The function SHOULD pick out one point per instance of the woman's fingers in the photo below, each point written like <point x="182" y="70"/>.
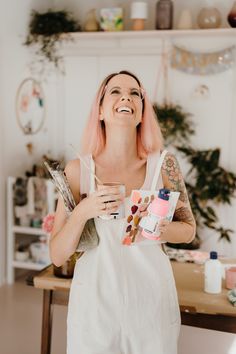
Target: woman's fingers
<point x="110" y="207"/>
<point x="108" y="191"/>
<point x="143" y="210"/>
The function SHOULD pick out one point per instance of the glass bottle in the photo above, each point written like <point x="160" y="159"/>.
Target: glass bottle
<point x="164" y="14"/>
<point x="232" y="15"/>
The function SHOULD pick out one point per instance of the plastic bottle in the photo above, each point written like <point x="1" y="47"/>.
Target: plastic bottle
<point x="213" y="274"/>
<point x="157" y="210"/>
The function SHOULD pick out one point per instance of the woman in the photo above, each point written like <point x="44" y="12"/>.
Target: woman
<point x="123" y="299"/>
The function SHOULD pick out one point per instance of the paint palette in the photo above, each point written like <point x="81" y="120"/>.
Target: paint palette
<point x="138" y="200"/>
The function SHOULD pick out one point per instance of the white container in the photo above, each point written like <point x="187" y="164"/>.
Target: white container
<point x="213" y="275"/>
<point x="185" y="20"/>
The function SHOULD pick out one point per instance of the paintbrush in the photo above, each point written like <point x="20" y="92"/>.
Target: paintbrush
<point x="86" y="165"/>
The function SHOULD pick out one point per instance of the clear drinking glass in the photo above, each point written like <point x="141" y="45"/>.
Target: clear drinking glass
<point x="120" y="212"/>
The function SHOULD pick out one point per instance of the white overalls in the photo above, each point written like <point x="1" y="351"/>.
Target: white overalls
<point x="123" y="298"/>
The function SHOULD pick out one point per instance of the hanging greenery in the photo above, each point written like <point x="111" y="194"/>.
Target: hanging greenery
<point x="175" y="123"/>
<point x="46" y="29"/>
<point x="208" y="183"/>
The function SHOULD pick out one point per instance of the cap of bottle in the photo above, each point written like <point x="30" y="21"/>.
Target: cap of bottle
<point x="213" y="255"/>
<point x="164" y="194"/>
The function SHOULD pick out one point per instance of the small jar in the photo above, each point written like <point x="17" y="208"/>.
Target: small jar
<point x="67" y="269"/>
<point x="164" y="14"/>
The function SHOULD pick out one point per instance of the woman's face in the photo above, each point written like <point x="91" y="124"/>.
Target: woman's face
<point x="122" y="103"/>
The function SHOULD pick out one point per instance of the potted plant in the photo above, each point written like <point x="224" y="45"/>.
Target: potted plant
<point x="46" y="30"/>
<point x="205" y="190"/>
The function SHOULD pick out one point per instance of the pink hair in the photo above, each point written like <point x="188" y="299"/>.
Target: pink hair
<point x="149" y="136"/>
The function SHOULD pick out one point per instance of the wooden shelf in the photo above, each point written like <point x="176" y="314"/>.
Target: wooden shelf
<point x="145" y="42"/>
<point x="29" y="265"/>
<point x="28" y="230"/>
<point x="15" y="232"/>
<point x="154" y="33"/>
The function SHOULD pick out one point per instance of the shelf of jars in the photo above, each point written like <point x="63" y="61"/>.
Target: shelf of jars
<point x="29" y="264"/>
<point x="146" y="41"/>
<point x="222" y="32"/>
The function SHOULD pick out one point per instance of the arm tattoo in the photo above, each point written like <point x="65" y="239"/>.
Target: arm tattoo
<point x="183" y="214"/>
<point x="172" y="170"/>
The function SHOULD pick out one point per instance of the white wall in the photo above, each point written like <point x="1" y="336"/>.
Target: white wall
<point x="68" y="101"/>
<point x="14" y="159"/>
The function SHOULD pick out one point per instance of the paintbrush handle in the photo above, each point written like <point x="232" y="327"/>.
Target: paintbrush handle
<point x="86" y="165"/>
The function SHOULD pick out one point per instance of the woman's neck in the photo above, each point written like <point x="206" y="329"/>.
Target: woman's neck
<point x="120" y="148"/>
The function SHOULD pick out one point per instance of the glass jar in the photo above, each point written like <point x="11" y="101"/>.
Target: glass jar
<point x="164" y="14"/>
<point x="67" y="269"/>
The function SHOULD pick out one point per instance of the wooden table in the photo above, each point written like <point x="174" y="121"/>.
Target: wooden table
<point x="198" y="309"/>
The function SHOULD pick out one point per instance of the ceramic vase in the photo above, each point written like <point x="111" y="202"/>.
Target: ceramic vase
<point x="164" y="14"/>
<point x="209" y="17"/>
<point x="185" y="20"/>
<point x="232" y="15"/>
<point x="91" y="23"/>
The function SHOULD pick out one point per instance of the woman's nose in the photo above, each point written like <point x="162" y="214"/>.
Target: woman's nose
<point x="125" y="97"/>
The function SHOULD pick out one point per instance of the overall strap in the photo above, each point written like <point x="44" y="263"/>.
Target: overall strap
<point x="158" y="170"/>
<point x="91" y="176"/>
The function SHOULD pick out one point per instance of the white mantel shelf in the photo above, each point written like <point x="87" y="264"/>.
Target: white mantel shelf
<point x="155" y="33"/>
<point x="150" y="41"/>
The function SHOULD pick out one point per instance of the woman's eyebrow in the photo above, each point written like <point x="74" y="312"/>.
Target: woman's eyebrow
<point x="114" y="87"/>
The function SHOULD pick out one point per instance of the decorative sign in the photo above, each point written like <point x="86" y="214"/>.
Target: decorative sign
<point x="30" y="106"/>
<point x="202" y="63"/>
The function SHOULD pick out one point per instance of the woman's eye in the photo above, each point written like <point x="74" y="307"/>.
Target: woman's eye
<point x="115" y="92"/>
<point x="135" y="93"/>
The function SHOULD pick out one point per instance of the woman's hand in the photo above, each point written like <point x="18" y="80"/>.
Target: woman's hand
<point x="143" y="210"/>
<point x="163" y="228"/>
<point x="163" y="224"/>
<point x="102" y="202"/>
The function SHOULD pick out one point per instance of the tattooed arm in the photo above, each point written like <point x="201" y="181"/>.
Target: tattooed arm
<point x="183" y="227"/>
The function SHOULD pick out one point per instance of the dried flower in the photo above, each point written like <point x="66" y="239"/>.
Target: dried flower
<point x="48" y="222"/>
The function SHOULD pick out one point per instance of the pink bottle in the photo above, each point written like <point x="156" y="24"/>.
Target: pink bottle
<point x="157" y="210"/>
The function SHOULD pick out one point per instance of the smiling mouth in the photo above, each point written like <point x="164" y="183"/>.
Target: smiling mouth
<point x="125" y="109"/>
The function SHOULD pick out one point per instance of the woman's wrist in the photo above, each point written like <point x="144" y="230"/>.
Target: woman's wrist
<point x="80" y="213"/>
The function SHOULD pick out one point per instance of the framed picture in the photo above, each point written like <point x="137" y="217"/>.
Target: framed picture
<point x="30" y="106"/>
<point x="111" y="19"/>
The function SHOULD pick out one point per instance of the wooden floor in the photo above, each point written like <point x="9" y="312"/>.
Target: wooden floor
<point x="20" y="327"/>
<point x="20" y="321"/>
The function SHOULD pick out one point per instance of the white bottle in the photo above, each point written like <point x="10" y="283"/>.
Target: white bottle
<point x="213" y="274"/>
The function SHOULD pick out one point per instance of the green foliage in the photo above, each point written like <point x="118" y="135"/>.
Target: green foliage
<point x="175" y="123"/>
<point x="46" y="29"/>
<point x="208" y="183"/>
